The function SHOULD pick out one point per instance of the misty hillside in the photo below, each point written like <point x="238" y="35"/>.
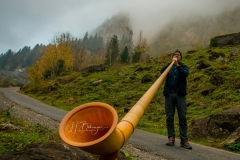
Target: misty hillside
<point x="184" y="34"/>
<point x="118" y="24"/>
<point x="195" y="32"/>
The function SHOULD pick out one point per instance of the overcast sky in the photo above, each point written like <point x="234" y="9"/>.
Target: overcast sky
<point x="31" y="22"/>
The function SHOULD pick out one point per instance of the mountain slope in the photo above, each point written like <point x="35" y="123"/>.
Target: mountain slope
<point x="118" y="24"/>
<point x="195" y="32"/>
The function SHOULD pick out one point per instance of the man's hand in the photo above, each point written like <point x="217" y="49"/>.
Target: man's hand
<point x="175" y="59"/>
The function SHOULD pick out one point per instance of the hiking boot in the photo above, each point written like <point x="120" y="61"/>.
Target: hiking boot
<point x="171" y="141"/>
<point x="186" y="145"/>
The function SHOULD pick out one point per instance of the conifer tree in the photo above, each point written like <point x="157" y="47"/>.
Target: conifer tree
<point x="85" y="40"/>
<point x="125" y="55"/>
<point x="112" y="51"/>
<point x="5" y="59"/>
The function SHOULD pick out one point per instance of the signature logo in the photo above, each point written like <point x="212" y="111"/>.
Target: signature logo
<point x="83" y="126"/>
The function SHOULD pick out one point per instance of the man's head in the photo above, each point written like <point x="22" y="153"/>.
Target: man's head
<point x="178" y="55"/>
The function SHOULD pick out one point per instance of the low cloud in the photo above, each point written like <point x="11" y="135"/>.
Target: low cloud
<point x="27" y="22"/>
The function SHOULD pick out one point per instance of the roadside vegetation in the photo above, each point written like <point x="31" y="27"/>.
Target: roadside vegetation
<point x="17" y="133"/>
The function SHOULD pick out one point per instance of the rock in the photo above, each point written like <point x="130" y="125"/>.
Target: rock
<point x="140" y="68"/>
<point x="225" y="40"/>
<point x="199" y="128"/>
<point x="95" y="68"/>
<point x="202" y="65"/>
<point x="220" y="59"/>
<point x="7" y="126"/>
<point x="95" y="83"/>
<point x="234" y="54"/>
<point x="53" y="151"/>
<point x="234" y="137"/>
<point x="48" y="151"/>
<point x="147" y="78"/>
<point x="219" y="125"/>
<point x="216" y="79"/>
<point x="234" y="51"/>
<point x="214" y="56"/>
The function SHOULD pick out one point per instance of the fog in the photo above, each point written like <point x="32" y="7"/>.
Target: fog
<point x="31" y="22"/>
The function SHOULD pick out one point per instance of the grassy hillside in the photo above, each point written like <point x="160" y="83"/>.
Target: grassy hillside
<point x="121" y="87"/>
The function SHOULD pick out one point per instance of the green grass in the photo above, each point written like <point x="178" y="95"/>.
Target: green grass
<point x="122" y="88"/>
<point x="17" y="133"/>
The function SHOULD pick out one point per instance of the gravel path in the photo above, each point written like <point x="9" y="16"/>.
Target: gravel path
<point x="35" y="118"/>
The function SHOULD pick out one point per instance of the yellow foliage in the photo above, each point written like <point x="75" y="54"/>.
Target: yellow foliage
<point x="35" y="74"/>
<point x="54" y="53"/>
<point x="49" y="61"/>
<point x="64" y="52"/>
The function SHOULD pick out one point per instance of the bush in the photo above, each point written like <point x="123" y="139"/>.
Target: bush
<point x="213" y="42"/>
<point x="233" y="146"/>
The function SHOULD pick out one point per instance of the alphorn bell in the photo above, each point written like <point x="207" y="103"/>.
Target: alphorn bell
<point x="93" y="126"/>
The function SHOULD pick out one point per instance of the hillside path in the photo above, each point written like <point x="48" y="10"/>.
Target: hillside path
<point x="145" y="141"/>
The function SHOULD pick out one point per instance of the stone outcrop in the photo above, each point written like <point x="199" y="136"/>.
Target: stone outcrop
<point x="225" y="40"/>
<point x="48" y="151"/>
<point x="234" y="137"/>
<point x="52" y="151"/>
<point x="220" y="125"/>
<point x="95" y="68"/>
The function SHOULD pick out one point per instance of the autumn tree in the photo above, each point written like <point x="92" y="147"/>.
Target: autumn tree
<point x="35" y="75"/>
<point x="112" y="53"/>
<point x="57" y="58"/>
<point x="50" y="60"/>
<point x="79" y="54"/>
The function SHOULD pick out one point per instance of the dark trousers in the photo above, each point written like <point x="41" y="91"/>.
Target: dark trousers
<point x="173" y="101"/>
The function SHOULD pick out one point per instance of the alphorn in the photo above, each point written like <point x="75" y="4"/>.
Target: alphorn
<point x="94" y="128"/>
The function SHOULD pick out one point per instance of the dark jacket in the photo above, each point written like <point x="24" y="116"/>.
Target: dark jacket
<point x="182" y="79"/>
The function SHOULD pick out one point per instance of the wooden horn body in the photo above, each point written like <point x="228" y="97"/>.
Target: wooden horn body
<point x="94" y="127"/>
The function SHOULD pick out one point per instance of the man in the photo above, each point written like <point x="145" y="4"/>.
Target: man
<point x="175" y="97"/>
